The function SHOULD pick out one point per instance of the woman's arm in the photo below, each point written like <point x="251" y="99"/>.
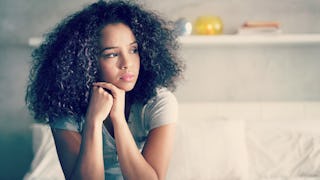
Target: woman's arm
<point x="154" y="160"/>
<point x="81" y="156"/>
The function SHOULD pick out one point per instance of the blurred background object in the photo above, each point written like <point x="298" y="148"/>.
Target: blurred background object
<point x="208" y="25"/>
<point x="259" y="27"/>
<point x="183" y="27"/>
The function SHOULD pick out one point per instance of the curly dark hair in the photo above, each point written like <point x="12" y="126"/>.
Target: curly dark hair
<point x="66" y="64"/>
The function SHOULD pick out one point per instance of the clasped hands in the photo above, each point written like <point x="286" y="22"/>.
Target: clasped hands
<point x="102" y="103"/>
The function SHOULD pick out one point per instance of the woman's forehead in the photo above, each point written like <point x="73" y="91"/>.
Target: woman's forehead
<point x="116" y="35"/>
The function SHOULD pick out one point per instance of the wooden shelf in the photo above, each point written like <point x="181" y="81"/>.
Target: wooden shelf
<point x="193" y="40"/>
<point x="196" y="40"/>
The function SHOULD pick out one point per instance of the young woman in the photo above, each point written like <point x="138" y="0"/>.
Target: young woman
<point x="102" y="79"/>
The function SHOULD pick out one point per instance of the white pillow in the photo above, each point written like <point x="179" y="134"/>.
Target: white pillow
<point x="45" y="164"/>
<point x="283" y="149"/>
<point x="208" y="147"/>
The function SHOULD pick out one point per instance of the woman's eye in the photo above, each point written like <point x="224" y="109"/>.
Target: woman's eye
<point x="109" y="55"/>
<point x="134" y="50"/>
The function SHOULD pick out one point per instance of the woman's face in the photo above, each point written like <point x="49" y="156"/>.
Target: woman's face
<point x="119" y="58"/>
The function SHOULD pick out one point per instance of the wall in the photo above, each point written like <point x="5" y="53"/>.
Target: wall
<point x="251" y="73"/>
<point x="227" y="74"/>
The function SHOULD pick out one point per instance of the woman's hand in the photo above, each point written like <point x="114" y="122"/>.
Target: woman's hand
<point x="100" y="104"/>
<point x="118" y="107"/>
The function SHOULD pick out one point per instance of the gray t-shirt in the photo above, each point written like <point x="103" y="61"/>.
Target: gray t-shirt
<point x="160" y="110"/>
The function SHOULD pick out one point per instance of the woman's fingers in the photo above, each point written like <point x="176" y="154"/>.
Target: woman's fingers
<point x="118" y="95"/>
<point x="107" y="86"/>
<point x="100" y="104"/>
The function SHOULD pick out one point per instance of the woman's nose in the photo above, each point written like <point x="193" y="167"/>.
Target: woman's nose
<point x="125" y="61"/>
<point x="124" y="67"/>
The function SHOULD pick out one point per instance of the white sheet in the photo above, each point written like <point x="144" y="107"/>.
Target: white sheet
<point x="208" y="147"/>
<point x="214" y="142"/>
<point x="283" y="149"/>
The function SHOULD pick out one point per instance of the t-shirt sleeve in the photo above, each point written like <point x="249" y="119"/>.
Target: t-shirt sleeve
<point x="67" y="123"/>
<point x="161" y="110"/>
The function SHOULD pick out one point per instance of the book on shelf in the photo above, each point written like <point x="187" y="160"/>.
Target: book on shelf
<point x="259" y="27"/>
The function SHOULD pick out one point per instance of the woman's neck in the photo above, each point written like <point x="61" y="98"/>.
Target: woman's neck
<point x="128" y="103"/>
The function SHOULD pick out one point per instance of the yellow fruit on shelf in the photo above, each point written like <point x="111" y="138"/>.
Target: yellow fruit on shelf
<point x="208" y="25"/>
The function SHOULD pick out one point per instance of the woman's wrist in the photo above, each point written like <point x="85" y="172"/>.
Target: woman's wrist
<point x="118" y="119"/>
<point x="93" y="122"/>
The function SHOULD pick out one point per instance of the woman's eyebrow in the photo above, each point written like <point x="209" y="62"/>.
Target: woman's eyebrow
<point x="114" y="47"/>
<point x="107" y="48"/>
<point x="134" y="42"/>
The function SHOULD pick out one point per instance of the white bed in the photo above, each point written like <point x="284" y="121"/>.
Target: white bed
<point x="227" y="141"/>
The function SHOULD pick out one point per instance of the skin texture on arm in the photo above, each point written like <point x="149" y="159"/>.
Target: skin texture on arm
<point x="153" y="162"/>
<point x="158" y="148"/>
<point x="81" y="157"/>
<point x="68" y="147"/>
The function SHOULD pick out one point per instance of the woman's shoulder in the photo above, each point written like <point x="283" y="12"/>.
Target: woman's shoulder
<point x="162" y="95"/>
<point x="72" y="123"/>
<point x="161" y="109"/>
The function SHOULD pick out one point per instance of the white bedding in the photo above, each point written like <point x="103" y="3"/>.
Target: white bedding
<point x="45" y="164"/>
<point x="287" y="149"/>
<point x="289" y="178"/>
<point x="226" y="141"/>
<point x="214" y="149"/>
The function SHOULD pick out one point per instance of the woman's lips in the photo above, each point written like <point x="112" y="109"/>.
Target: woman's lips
<point x="127" y="77"/>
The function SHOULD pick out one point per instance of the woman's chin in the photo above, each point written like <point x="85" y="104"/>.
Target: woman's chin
<point x="126" y="88"/>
